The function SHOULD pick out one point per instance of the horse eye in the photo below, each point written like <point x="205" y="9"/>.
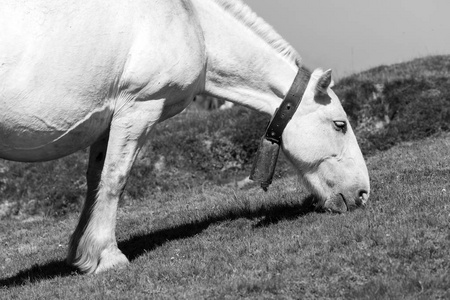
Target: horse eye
<point x="340" y="126"/>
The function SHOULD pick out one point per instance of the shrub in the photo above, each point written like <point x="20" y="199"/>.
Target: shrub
<point x="395" y="105"/>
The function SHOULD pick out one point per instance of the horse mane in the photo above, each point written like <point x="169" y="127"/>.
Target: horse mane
<point x="243" y="12"/>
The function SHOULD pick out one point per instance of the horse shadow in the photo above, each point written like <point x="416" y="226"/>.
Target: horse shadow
<point x="140" y="244"/>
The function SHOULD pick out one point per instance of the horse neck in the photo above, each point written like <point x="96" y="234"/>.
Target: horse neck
<point x="242" y="67"/>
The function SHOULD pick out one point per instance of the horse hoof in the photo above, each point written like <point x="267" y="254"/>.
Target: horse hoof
<point x="111" y="258"/>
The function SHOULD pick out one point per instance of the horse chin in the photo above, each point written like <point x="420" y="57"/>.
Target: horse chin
<point x="327" y="200"/>
<point x="336" y="204"/>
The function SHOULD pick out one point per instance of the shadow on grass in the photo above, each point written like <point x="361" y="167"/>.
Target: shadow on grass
<point x="138" y="245"/>
<point x="39" y="272"/>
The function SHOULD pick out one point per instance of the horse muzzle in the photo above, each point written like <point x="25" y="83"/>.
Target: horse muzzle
<point x="341" y="204"/>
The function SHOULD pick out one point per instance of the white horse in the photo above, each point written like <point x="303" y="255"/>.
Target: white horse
<point x="75" y="74"/>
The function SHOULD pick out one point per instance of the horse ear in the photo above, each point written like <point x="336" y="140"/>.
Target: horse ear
<point x="323" y="83"/>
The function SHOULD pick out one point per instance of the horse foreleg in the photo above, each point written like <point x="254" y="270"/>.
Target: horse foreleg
<point x="93" y="246"/>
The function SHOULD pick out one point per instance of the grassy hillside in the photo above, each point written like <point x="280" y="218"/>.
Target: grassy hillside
<point x="401" y="102"/>
<point x="191" y="234"/>
<point x="214" y="242"/>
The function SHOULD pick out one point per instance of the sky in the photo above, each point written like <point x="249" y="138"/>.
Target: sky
<point x="349" y="36"/>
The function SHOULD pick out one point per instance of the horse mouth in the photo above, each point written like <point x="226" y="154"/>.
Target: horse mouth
<point x="337" y="204"/>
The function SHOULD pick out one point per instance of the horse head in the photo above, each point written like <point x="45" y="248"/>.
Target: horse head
<point x="320" y="143"/>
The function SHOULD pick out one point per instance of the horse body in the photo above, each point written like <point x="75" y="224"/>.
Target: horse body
<point x="66" y="71"/>
<point x="74" y="75"/>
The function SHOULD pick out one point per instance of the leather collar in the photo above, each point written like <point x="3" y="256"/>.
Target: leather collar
<point x="287" y="108"/>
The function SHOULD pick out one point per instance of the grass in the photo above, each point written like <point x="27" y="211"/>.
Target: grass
<point x="217" y="242"/>
<point x="191" y="235"/>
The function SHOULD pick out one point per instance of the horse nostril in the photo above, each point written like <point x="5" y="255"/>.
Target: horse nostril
<point x="361" y="200"/>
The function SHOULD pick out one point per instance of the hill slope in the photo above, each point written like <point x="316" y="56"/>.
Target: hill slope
<point x="214" y="242"/>
<point x="401" y="102"/>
